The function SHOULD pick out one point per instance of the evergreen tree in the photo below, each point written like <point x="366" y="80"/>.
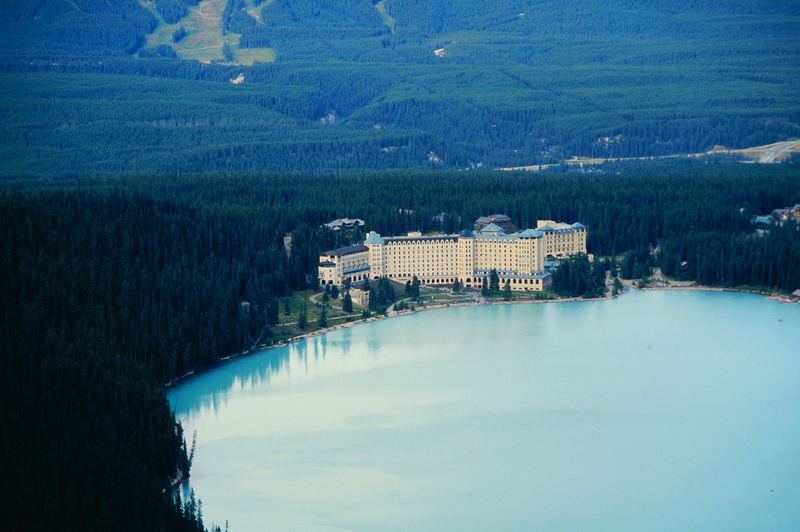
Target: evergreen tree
<point x="494" y="281"/>
<point x="347" y="302"/>
<point x="507" y="290"/>
<point x="302" y="319"/>
<point x="373" y="299"/>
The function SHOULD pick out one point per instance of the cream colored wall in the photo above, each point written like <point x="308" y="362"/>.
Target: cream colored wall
<point x="563" y="243"/>
<point x="523" y="255"/>
<point x="440" y="260"/>
<point x="430" y="259"/>
<point x="343" y="266"/>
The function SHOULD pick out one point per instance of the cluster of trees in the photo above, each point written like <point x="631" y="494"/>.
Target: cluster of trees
<point x="106" y="297"/>
<point x="160" y="50"/>
<point x="179" y="34"/>
<point x="576" y="276"/>
<point x="412" y="288"/>
<point x="723" y="259"/>
<point x="381" y="294"/>
<point x="55" y="28"/>
<point x="172" y="11"/>
<point x="637" y="263"/>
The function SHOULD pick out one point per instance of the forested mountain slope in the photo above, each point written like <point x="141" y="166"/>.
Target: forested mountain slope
<point x="100" y="86"/>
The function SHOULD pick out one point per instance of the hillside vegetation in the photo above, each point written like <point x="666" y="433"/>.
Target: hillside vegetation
<point x="357" y="85"/>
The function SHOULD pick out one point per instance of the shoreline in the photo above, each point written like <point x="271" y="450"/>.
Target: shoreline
<point x="769" y="294"/>
<point x="774" y="296"/>
<point x="349" y="324"/>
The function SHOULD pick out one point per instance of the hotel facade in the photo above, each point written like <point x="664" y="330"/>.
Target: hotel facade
<point x="468" y="257"/>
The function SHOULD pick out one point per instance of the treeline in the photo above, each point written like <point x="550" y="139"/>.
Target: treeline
<point x="576" y="276"/>
<point x="771" y="260"/>
<point x="106" y="297"/>
<point x="59" y="28"/>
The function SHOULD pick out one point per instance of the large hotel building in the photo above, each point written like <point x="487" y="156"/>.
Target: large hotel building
<point x="467" y="257"/>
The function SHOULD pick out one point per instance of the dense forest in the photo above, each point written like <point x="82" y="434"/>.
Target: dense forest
<point x="147" y="199"/>
<point x="112" y="287"/>
<point x="92" y="86"/>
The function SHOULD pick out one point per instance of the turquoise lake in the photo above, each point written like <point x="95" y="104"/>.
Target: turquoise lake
<point x="655" y="411"/>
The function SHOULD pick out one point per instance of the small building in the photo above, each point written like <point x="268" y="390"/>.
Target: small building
<point x="345" y="224"/>
<point x="762" y="221"/>
<point x="787" y="214"/>
<point x="360" y="297"/>
<point x="337" y="265"/>
<point x="500" y="220"/>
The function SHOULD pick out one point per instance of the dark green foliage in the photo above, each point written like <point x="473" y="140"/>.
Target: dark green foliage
<point x="323" y="319"/>
<point x="302" y="321"/>
<point x="179" y="34"/>
<point x="334" y="292"/>
<point x="507" y="291"/>
<point x="171" y="10"/>
<point x="576" y="277"/>
<point x="107" y="297"/>
<point x="412" y="288"/>
<point x="160" y="51"/>
<point x="381" y="295"/>
<point x="494" y="282"/>
<point x="618" y="79"/>
<point x="347" y="302"/>
<point x="716" y="258"/>
<point x="58" y="28"/>
<point x="636" y="264"/>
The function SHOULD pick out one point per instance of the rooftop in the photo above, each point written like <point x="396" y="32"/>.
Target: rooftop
<point x="345" y="223"/>
<point x="530" y="233"/>
<point x="374" y="238"/>
<point x="492" y="228"/>
<point x="340" y="252"/>
<point x="498" y="218"/>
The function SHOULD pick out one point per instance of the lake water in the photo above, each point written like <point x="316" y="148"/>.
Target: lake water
<point x="656" y="411"/>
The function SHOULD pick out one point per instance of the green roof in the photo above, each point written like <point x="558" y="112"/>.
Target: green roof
<point x="373" y="238"/>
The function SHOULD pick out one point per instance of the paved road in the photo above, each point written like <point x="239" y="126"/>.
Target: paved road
<point x="769" y="154"/>
<point x="776" y="151"/>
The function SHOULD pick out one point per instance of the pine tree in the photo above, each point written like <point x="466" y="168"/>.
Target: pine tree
<point x="494" y="281"/>
<point x="347" y="302"/>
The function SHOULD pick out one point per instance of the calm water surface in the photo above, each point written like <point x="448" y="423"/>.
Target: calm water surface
<point x="657" y="411"/>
